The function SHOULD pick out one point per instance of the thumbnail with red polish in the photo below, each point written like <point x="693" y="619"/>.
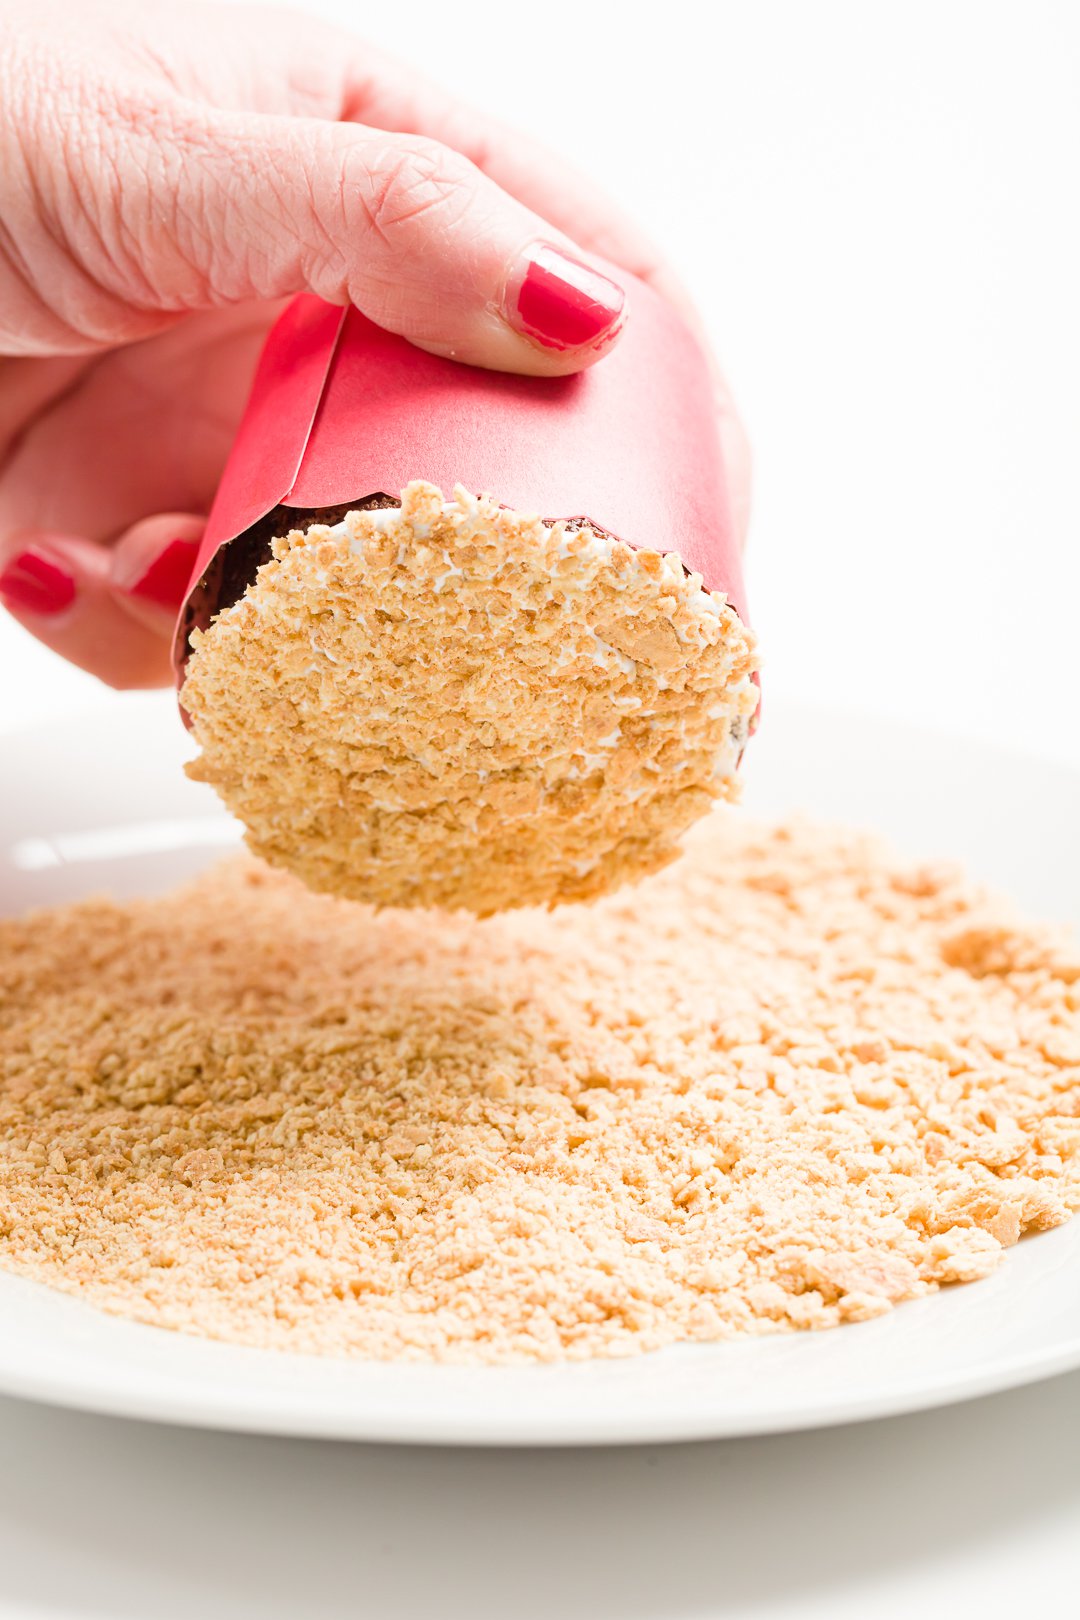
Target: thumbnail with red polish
<point x="33" y="583"/>
<point x="565" y="304"/>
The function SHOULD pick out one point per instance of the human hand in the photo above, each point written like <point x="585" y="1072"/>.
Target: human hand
<point x="168" y="174"/>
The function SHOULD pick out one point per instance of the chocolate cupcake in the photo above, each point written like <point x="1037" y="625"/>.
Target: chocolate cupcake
<point x="428" y="698"/>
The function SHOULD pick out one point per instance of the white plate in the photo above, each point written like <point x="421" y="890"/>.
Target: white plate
<point x="101" y="804"/>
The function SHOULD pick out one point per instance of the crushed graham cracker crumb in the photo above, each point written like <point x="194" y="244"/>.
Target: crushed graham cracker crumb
<point x="785" y="1084"/>
<point x="447" y="703"/>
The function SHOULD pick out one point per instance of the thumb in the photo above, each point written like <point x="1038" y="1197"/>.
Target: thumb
<point x="402" y="226"/>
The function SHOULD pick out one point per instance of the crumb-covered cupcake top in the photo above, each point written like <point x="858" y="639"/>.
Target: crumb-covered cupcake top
<point x="451" y="704"/>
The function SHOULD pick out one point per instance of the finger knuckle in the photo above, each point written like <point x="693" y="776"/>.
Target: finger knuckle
<point x="409" y="182"/>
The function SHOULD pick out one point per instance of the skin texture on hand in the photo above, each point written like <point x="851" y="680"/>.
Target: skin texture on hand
<point x="169" y="174"/>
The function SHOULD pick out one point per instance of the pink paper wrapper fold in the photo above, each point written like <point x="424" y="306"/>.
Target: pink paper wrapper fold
<point x="341" y="410"/>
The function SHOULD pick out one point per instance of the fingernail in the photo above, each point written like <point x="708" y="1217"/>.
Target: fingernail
<point x="32" y="583"/>
<point x="166" y="580"/>
<point x="563" y="303"/>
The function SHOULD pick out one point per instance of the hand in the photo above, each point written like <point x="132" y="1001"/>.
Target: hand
<point x="168" y="175"/>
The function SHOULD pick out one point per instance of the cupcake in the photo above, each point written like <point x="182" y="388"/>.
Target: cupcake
<point x="446" y="697"/>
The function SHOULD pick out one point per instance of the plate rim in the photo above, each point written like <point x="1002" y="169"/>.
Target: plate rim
<point x="226" y="1410"/>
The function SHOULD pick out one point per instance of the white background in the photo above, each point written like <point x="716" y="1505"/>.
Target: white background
<point x="876" y="207"/>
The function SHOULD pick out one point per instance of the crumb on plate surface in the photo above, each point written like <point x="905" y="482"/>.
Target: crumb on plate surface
<point x="786" y="1083"/>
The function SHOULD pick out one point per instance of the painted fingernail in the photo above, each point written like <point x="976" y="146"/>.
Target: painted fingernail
<point x="166" y="580"/>
<point x="33" y="583"/>
<point x="564" y="304"/>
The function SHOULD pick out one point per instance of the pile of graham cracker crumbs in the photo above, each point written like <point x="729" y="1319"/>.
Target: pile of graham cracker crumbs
<point x="784" y="1084"/>
<point x="449" y="704"/>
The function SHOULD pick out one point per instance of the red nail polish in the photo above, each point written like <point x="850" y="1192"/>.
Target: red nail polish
<point x="166" y="580"/>
<point x="33" y="583"/>
<point x="565" y="304"/>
